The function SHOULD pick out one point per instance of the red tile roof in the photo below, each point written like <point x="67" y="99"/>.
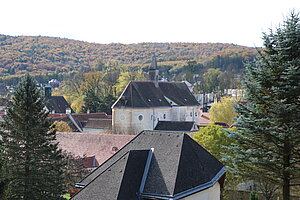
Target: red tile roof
<point x="89" y="161"/>
<point x="204" y="119"/>
<point x="103" y="146"/>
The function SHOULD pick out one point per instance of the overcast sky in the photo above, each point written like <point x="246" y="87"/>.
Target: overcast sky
<point x="132" y="21"/>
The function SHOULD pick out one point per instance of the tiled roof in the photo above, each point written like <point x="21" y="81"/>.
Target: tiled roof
<point x="85" y="120"/>
<point x="99" y="123"/>
<point x="103" y="146"/>
<point x="119" y="181"/>
<point x="58" y="104"/>
<point x="204" y="119"/>
<point x="178" y="167"/>
<point x="145" y="94"/>
<point x="175" y="126"/>
<point x="89" y="161"/>
<point x="86" y="116"/>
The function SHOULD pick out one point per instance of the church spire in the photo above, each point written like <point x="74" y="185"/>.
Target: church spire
<point x="154" y="63"/>
<point x="153" y="71"/>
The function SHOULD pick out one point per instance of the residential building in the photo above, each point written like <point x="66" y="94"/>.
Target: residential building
<point x="156" y="165"/>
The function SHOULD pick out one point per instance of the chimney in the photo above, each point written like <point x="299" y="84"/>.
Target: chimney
<point x="48" y="91"/>
<point x="68" y="110"/>
<point x="153" y="71"/>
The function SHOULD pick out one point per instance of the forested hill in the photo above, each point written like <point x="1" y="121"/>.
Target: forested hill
<point x="38" y="54"/>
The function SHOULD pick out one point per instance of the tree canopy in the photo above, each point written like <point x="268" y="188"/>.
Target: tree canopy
<point x="34" y="162"/>
<point x="268" y="138"/>
<point x="223" y="111"/>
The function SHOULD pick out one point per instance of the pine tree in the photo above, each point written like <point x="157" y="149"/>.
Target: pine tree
<point x="34" y="162"/>
<point x="268" y="139"/>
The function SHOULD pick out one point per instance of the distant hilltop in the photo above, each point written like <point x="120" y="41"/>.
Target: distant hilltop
<point x="39" y="55"/>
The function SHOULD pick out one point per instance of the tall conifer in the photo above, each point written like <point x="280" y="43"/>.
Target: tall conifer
<point x="268" y="140"/>
<point x="34" y="162"/>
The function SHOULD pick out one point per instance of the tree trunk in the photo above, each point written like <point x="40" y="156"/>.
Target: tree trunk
<point x="286" y="174"/>
<point x="286" y="189"/>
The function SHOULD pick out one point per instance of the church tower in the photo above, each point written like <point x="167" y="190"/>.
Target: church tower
<point x="153" y="71"/>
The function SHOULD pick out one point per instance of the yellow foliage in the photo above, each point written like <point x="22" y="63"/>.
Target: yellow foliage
<point x="78" y="104"/>
<point x="62" y="126"/>
<point x="223" y="111"/>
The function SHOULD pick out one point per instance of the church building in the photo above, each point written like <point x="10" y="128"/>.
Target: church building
<point x="143" y="104"/>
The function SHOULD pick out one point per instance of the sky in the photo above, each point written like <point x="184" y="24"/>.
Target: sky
<point x="133" y="21"/>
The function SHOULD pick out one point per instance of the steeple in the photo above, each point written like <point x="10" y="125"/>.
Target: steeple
<point x="153" y="71"/>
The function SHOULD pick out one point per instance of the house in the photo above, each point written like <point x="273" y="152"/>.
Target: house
<point x="156" y="165"/>
<point x="144" y="103"/>
<point x="86" y="122"/>
<point x="56" y="104"/>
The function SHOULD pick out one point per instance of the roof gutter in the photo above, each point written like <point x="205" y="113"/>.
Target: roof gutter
<point x="187" y="192"/>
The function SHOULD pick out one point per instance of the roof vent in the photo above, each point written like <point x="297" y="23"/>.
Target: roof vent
<point x="115" y="149"/>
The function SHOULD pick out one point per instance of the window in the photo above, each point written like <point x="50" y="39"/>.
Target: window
<point x="164" y="116"/>
<point x="140" y="117"/>
<point x="196" y="114"/>
<point x="191" y="114"/>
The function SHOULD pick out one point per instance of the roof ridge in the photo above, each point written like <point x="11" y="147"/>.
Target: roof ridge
<point x="178" y="162"/>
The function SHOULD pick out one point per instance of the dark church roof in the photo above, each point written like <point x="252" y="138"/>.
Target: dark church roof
<point x="57" y="104"/>
<point x="144" y="94"/>
<point x="163" y="165"/>
<point x="175" y="126"/>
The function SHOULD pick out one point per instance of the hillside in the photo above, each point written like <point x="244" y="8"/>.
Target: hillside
<point x="38" y="54"/>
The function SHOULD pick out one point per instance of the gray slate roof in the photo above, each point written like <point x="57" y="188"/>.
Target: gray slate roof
<point x="175" y="126"/>
<point x="179" y="166"/>
<point x="58" y="104"/>
<point x="144" y="94"/>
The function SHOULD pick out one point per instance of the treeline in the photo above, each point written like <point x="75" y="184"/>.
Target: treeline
<point x="49" y="56"/>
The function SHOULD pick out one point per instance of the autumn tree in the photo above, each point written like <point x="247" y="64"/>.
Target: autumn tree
<point x="125" y="77"/>
<point x="34" y="164"/>
<point x="223" y="111"/>
<point x="62" y="126"/>
<point x="214" y="139"/>
<point x="211" y="80"/>
<point x="268" y="138"/>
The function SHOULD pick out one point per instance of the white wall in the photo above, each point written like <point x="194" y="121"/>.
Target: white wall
<point x="212" y="193"/>
<point x="133" y="121"/>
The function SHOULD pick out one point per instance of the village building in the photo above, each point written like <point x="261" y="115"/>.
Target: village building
<point x="156" y="165"/>
<point x="98" y="147"/>
<point x="86" y="122"/>
<point x="145" y="103"/>
<point x="55" y="104"/>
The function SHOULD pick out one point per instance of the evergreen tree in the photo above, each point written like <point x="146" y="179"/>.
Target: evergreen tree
<point x="34" y="162"/>
<point x="268" y="139"/>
